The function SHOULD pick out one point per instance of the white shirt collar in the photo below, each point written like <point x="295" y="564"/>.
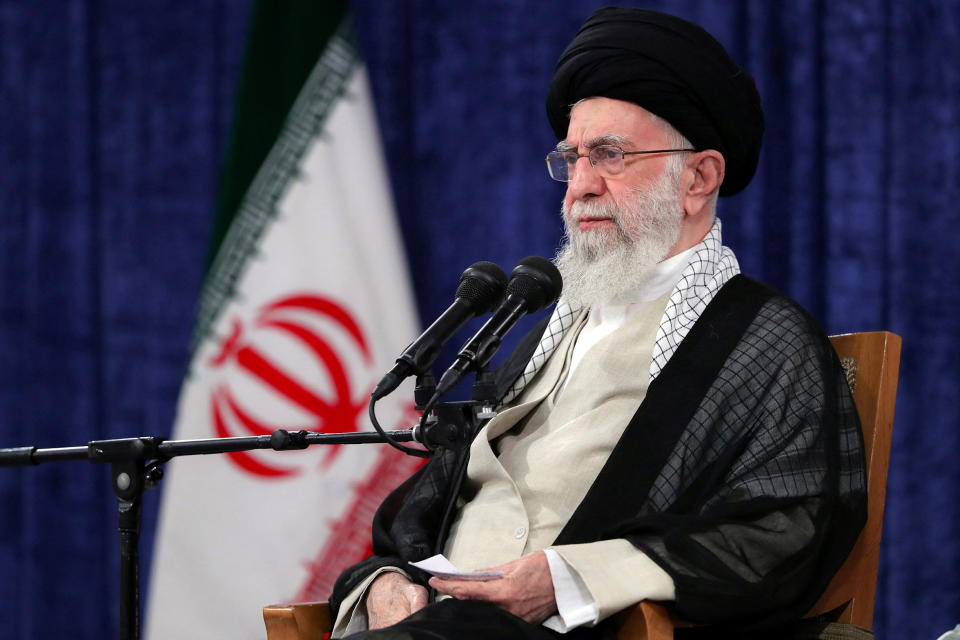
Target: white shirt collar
<point x="662" y="278"/>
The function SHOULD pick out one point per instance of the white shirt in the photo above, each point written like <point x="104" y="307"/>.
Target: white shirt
<point x="575" y="605"/>
<point x="607" y="318"/>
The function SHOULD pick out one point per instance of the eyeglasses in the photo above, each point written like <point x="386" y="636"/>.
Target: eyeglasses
<point x="606" y="159"/>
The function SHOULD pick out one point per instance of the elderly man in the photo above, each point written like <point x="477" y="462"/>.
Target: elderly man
<point x="680" y="433"/>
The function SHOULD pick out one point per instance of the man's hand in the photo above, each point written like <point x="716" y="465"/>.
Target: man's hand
<point x="391" y="598"/>
<point x="525" y="590"/>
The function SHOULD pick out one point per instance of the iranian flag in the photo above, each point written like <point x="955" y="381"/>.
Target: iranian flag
<point x="305" y="305"/>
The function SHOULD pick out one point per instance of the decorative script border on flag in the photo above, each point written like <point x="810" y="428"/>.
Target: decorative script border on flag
<point x="326" y="84"/>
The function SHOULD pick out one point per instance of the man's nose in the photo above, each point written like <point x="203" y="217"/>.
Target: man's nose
<point x="586" y="181"/>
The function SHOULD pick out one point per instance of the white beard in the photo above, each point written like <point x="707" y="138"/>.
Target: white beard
<point x="601" y="265"/>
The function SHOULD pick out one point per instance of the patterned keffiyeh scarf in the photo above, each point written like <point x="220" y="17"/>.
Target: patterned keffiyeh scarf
<point x="710" y="267"/>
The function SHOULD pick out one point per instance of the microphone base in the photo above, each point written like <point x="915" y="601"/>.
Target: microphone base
<point x="451" y="425"/>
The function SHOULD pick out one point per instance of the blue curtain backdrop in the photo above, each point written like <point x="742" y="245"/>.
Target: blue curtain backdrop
<point x="113" y="118"/>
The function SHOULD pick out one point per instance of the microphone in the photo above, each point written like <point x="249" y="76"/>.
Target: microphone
<point x="534" y="284"/>
<point x="480" y="290"/>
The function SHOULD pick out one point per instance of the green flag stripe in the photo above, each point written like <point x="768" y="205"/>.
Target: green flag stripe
<point x="284" y="41"/>
<point x="258" y="208"/>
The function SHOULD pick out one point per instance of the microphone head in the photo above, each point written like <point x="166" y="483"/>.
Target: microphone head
<point x="537" y="281"/>
<point x="482" y="285"/>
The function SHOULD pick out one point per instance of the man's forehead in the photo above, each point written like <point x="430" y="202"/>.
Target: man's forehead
<point x="598" y="121"/>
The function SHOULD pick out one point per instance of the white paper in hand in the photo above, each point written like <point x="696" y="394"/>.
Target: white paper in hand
<point x="439" y="566"/>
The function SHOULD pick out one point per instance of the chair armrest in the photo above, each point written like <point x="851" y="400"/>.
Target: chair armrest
<point x="647" y="620"/>
<point x="297" y="621"/>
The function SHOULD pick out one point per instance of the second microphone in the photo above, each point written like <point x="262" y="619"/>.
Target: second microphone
<point x="535" y="283"/>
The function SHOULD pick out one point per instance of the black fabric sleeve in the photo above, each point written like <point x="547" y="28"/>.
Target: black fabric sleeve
<point x="765" y="493"/>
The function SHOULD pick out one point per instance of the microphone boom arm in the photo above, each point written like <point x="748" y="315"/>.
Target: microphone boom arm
<point x="136" y="465"/>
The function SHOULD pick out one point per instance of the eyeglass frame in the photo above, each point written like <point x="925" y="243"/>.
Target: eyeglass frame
<point x="623" y="154"/>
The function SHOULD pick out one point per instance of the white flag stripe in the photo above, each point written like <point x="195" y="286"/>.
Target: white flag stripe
<point x="330" y="262"/>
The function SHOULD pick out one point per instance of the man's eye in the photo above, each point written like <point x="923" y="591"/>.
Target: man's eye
<point x="607" y="155"/>
<point x="570" y="158"/>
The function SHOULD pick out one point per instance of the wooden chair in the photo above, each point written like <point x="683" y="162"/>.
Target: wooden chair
<point x="871" y="362"/>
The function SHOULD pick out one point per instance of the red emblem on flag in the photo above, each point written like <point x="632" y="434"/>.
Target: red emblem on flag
<point x="306" y="331"/>
<point x="305" y="355"/>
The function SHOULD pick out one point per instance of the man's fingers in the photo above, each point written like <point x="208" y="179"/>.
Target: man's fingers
<point x="466" y="589"/>
<point x="526" y="590"/>
<point x="391" y="599"/>
<point x="416" y="596"/>
<point x="386" y="616"/>
<point x="379" y="618"/>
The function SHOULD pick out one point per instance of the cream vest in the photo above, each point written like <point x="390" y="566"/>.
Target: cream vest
<point x="533" y="463"/>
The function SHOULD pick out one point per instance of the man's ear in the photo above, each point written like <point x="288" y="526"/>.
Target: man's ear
<point x="701" y="187"/>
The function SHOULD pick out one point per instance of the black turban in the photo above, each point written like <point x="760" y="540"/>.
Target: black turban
<point x="672" y="68"/>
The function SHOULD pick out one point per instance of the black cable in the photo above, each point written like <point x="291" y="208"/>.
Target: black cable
<point x="410" y="451"/>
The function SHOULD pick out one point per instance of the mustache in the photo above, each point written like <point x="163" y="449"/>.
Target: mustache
<point x="591" y="211"/>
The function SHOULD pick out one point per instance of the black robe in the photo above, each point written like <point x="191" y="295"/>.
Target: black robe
<point x="741" y="474"/>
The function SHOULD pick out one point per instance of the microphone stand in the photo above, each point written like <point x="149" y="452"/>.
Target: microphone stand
<point x="137" y="464"/>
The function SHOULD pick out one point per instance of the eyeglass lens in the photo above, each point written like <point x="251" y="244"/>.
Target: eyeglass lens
<point x="607" y="159"/>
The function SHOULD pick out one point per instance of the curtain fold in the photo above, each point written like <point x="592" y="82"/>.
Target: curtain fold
<point x="113" y="125"/>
